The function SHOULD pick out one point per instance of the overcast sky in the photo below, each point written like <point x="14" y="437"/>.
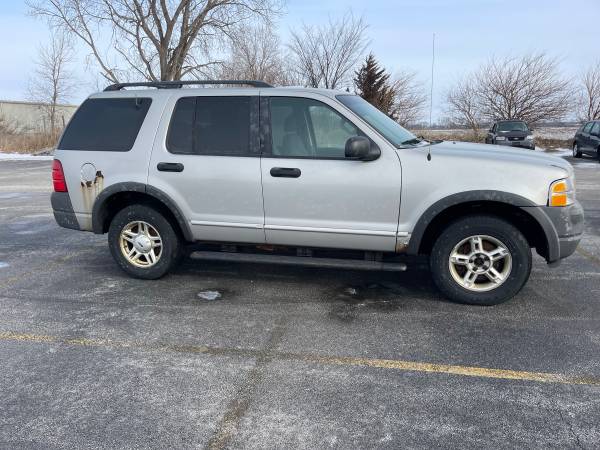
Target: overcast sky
<point x="467" y="33"/>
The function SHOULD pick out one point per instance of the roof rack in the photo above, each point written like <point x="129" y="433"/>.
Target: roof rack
<point x="180" y="84"/>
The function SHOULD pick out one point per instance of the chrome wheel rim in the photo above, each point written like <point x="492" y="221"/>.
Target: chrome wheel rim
<point x="480" y="263"/>
<point x="140" y="244"/>
<point x="575" y="148"/>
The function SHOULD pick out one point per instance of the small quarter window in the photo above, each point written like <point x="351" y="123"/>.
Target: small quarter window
<point x="106" y="124"/>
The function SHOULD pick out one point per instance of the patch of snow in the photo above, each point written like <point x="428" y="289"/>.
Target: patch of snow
<point x="24" y="157"/>
<point x="209" y="295"/>
<point x="3" y="265"/>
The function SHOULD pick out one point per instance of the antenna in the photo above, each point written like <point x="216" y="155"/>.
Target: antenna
<point x="431" y="91"/>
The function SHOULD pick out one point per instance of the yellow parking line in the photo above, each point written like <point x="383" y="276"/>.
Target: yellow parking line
<point x="390" y="364"/>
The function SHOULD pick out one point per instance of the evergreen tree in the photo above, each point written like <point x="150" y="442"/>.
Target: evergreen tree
<point x="372" y="84"/>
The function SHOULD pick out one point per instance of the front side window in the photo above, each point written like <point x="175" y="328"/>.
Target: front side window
<point x="210" y="126"/>
<point x="106" y="124"/>
<point x="588" y="127"/>
<point x="306" y="128"/>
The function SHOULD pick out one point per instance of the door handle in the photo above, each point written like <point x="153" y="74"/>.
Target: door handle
<point x="169" y="167"/>
<point x="285" y="172"/>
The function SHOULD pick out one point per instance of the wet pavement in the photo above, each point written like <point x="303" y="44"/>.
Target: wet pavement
<point x="231" y="355"/>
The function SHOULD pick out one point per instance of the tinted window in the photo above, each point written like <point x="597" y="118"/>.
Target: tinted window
<point x="596" y="129"/>
<point x="307" y="128"/>
<point x="210" y="126"/>
<point x="512" y="126"/>
<point x="588" y="127"/>
<point x="105" y="124"/>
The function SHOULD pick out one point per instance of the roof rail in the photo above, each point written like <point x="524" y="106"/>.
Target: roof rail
<point x="180" y="84"/>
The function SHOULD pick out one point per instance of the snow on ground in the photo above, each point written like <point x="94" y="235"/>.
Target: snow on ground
<point x="23" y="156"/>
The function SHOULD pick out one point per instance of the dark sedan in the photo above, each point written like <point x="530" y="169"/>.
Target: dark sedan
<point x="587" y="140"/>
<point x="515" y="133"/>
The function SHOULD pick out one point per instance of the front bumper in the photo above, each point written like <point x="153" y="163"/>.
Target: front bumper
<point x="522" y="144"/>
<point x="568" y="222"/>
<point x="563" y="227"/>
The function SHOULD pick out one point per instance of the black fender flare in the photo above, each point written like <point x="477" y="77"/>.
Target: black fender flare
<point x="529" y="207"/>
<point x="98" y="215"/>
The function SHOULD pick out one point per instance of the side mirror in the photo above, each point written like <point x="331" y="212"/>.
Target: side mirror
<point x="360" y="148"/>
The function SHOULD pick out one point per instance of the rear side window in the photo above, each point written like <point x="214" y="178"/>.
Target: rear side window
<point x="106" y="124"/>
<point x="211" y="126"/>
<point x="595" y="128"/>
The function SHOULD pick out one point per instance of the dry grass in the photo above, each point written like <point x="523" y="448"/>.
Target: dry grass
<point x="27" y="142"/>
<point x="549" y="143"/>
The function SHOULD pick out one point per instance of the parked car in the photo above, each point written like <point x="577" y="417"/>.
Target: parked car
<point x="305" y="176"/>
<point x="587" y="140"/>
<point x="515" y="133"/>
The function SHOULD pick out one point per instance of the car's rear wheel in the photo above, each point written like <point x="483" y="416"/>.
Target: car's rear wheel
<point x="576" y="151"/>
<point x="143" y="242"/>
<point x="480" y="260"/>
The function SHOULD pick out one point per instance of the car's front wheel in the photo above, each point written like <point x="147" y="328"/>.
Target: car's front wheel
<point x="576" y="151"/>
<point x="143" y="242"/>
<point x="480" y="260"/>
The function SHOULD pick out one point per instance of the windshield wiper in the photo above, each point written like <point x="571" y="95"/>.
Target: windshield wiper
<point x="412" y="141"/>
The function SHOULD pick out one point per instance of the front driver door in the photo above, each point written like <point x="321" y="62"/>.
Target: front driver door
<point x="313" y="195"/>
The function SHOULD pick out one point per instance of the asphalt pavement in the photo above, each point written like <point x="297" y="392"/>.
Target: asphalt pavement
<point x="230" y="355"/>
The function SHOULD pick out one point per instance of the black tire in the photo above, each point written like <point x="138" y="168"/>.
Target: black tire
<point x="496" y="228"/>
<point x="576" y="152"/>
<point x="171" y="250"/>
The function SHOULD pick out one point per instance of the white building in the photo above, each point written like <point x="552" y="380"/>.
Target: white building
<point x="32" y="117"/>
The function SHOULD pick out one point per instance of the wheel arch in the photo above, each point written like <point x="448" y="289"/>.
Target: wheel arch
<point x="521" y="212"/>
<point x="115" y="197"/>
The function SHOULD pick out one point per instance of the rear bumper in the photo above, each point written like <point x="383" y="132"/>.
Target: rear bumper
<point x="63" y="210"/>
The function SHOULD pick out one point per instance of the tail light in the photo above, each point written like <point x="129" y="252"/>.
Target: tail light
<point x="58" y="177"/>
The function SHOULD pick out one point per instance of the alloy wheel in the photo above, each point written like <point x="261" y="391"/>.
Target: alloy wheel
<point x="480" y="263"/>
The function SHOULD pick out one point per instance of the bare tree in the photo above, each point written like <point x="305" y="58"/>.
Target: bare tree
<point x="153" y="39"/>
<point x="52" y="81"/>
<point x="255" y="54"/>
<point x="463" y="105"/>
<point x="589" y="98"/>
<point x="325" y="56"/>
<point x="529" y="88"/>
<point x="409" y="98"/>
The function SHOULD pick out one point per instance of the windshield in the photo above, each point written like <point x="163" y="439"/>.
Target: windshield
<point x="512" y="126"/>
<point x="386" y="126"/>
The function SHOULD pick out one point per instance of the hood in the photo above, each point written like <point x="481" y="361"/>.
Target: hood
<point x="501" y="154"/>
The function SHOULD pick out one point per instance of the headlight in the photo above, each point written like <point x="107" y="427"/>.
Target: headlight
<point x="500" y="138"/>
<point x="529" y="138"/>
<point x="562" y="193"/>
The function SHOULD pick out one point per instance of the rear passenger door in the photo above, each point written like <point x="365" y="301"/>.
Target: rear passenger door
<point x="208" y="161"/>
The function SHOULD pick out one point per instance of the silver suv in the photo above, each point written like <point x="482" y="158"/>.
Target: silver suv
<point x="308" y="176"/>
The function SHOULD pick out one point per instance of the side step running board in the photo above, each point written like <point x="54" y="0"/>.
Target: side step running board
<point x="354" y="264"/>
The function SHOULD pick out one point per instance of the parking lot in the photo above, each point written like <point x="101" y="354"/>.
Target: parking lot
<point x="284" y="356"/>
